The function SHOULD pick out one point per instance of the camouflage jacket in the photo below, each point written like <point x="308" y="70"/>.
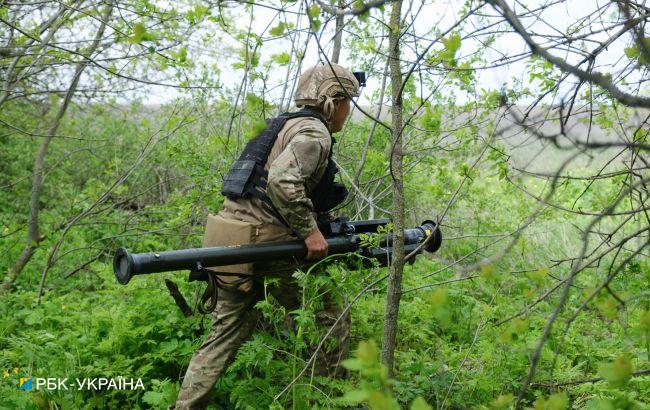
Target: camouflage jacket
<point x="296" y="164"/>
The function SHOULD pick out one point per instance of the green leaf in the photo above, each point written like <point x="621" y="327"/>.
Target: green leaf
<point x="353" y="364"/>
<point x="154" y="398"/>
<point x="646" y="41"/>
<point x="368" y="352"/>
<point x="558" y="401"/>
<point x="519" y="325"/>
<point x="608" y="307"/>
<point x="356" y="396"/>
<point x="438" y="298"/>
<point x="644" y="321"/>
<point x="139" y="32"/>
<point x="618" y="372"/>
<point x="282" y="58"/>
<point x="505" y="337"/>
<point x="539" y="275"/>
<point x="632" y="52"/>
<point x="362" y="16"/>
<point x="182" y="55"/>
<point x="503" y="401"/>
<point x="464" y="169"/>
<point x="379" y="401"/>
<point x="438" y="306"/>
<point x="314" y="13"/>
<point x="487" y="271"/>
<point x="452" y="43"/>
<point x="197" y="13"/>
<point x="278" y="30"/>
<point x="420" y="404"/>
<point x="200" y="10"/>
<point x="34" y="317"/>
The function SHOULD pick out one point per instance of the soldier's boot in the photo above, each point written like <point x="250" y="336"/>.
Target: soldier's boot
<point x="233" y="322"/>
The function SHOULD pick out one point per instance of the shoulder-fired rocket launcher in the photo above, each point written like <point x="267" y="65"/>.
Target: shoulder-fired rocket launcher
<point x="342" y="237"/>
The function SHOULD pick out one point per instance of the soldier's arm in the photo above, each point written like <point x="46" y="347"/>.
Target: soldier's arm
<point x="305" y="155"/>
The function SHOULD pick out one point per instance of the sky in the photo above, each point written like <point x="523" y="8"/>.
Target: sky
<point x="437" y="14"/>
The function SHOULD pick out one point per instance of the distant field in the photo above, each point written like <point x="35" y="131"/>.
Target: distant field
<point x="532" y="153"/>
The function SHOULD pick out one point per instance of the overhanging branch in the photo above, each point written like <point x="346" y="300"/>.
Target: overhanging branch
<point x="599" y="79"/>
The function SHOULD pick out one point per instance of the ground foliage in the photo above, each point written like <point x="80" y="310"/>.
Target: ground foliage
<point x="145" y="176"/>
<point x="450" y="349"/>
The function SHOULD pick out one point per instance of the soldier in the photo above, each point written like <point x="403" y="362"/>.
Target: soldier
<point x="275" y="203"/>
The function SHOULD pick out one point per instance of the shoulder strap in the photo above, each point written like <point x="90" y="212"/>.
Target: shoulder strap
<point x="247" y="176"/>
<point x="308" y="112"/>
<point x="260" y="152"/>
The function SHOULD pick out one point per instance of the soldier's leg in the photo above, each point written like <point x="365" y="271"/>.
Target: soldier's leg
<point x="336" y="348"/>
<point x="233" y="322"/>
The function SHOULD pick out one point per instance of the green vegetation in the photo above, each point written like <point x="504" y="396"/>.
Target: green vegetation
<point x="118" y="119"/>
<point x="451" y="349"/>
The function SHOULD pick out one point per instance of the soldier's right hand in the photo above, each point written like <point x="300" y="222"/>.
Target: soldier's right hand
<point x="316" y="245"/>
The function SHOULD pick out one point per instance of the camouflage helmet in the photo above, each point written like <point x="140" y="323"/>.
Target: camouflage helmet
<point x="322" y="83"/>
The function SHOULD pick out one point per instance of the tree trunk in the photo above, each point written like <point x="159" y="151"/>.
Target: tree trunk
<point x="395" y="279"/>
<point x="338" y="35"/>
<point x="33" y="235"/>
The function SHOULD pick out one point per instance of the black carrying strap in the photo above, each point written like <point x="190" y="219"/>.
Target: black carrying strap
<point x="210" y="297"/>
<point x="259" y="152"/>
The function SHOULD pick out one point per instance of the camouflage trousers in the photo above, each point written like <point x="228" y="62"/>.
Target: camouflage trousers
<point x="233" y="323"/>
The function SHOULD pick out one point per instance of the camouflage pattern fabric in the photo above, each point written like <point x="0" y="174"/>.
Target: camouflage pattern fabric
<point x="233" y="323"/>
<point x="325" y="81"/>
<point x="296" y="164"/>
<point x="303" y="159"/>
<point x="299" y="156"/>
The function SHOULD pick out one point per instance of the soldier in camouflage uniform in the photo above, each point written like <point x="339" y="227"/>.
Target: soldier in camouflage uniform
<point x="295" y="165"/>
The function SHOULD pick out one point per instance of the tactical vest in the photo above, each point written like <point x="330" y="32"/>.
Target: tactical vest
<point x="247" y="177"/>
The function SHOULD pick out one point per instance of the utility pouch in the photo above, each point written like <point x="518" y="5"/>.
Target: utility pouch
<point x="229" y="232"/>
<point x="235" y="181"/>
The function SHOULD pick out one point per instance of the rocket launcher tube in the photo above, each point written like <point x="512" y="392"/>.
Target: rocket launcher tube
<point x="126" y="264"/>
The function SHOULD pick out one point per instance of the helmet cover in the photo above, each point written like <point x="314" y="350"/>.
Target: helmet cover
<point x="323" y="82"/>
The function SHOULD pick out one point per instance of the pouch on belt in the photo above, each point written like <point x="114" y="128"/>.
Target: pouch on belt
<point x="220" y="231"/>
<point x="229" y="232"/>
